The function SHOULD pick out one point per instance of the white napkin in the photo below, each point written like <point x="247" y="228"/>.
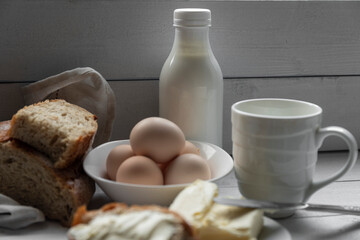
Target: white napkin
<point x="84" y="87"/>
<point x="15" y="216"/>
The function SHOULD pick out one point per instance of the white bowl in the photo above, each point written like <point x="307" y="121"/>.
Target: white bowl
<point x="220" y="164"/>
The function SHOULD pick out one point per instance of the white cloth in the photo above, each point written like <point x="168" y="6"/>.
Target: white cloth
<point x="84" y="87"/>
<point x="15" y="216"/>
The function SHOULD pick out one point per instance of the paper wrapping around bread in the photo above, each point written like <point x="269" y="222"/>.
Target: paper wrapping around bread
<point x="61" y="130"/>
<point x="118" y="221"/>
<point x="84" y="87"/>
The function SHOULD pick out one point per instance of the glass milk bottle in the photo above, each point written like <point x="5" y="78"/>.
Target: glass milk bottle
<point x="191" y="81"/>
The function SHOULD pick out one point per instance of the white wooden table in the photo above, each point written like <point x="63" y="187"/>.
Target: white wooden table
<point x="303" y="225"/>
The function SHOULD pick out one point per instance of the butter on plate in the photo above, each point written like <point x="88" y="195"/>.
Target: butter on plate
<point x="216" y="221"/>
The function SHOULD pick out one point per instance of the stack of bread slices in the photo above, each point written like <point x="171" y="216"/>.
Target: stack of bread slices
<point x="41" y="152"/>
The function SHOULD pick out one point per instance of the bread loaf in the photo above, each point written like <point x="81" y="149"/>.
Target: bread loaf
<point x="28" y="176"/>
<point x="118" y="221"/>
<point x="61" y="130"/>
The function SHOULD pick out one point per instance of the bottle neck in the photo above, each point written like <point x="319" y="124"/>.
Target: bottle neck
<point x="194" y="40"/>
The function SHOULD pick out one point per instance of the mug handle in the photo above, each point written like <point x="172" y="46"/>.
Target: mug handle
<point x="321" y="134"/>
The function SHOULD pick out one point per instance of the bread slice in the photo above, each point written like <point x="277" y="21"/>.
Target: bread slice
<point x="119" y="221"/>
<point x="61" y="130"/>
<point x="29" y="177"/>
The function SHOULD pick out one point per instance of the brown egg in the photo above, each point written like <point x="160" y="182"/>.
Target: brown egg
<point x="190" y="148"/>
<point x="117" y="156"/>
<point x="186" y="168"/>
<point x="157" y="138"/>
<point x="139" y="170"/>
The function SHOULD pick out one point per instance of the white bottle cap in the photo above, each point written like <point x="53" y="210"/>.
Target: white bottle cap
<point x="192" y="17"/>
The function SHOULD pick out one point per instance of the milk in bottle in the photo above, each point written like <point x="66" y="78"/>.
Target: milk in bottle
<point x="191" y="81"/>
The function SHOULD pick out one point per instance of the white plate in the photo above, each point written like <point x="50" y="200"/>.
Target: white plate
<point x="272" y="230"/>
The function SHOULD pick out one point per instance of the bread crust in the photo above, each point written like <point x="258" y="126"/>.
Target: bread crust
<point x="65" y="151"/>
<point x="4" y="130"/>
<point x="84" y="216"/>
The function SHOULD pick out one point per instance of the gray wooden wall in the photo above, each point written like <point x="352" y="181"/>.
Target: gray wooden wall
<point x="302" y="50"/>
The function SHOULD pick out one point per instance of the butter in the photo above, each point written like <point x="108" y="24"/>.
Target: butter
<point x="230" y="222"/>
<point x="213" y="221"/>
<point x="136" y="225"/>
<point x="194" y="201"/>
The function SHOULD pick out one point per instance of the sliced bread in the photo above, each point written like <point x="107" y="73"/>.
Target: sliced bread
<point x="29" y="177"/>
<point x="118" y="221"/>
<point x="61" y="130"/>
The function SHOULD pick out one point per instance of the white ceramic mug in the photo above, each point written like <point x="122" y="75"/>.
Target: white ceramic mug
<point x="275" y="146"/>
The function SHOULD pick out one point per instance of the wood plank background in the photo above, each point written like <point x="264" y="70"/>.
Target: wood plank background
<point x="136" y="99"/>
<point x="302" y="50"/>
<point x="131" y="39"/>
